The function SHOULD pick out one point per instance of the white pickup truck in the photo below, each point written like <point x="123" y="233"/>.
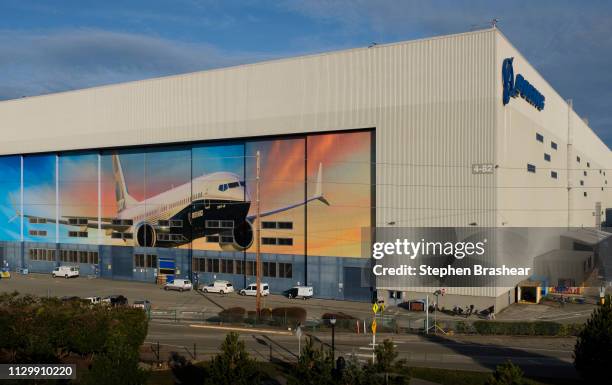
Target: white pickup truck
<point x="179" y="284"/>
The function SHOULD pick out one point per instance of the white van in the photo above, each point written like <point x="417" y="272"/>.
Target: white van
<point x="65" y="271"/>
<point x="251" y="290"/>
<point x="178" y="284"/>
<point x="220" y="287"/>
<point x="304" y="292"/>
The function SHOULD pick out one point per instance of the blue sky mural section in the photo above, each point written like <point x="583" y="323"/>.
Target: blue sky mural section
<point x="10" y="198"/>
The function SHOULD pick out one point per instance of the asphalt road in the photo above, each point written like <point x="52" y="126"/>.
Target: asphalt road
<point x="545" y="357"/>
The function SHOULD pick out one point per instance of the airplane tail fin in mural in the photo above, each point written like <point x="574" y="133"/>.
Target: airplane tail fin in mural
<point x="124" y="199"/>
<point x="318" y="196"/>
<point x="319" y="187"/>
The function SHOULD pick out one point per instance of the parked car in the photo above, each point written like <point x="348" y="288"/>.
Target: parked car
<point x="143" y="304"/>
<point x="179" y="284"/>
<point x="65" y="271"/>
<point x="303" y="292"/>
<point x="115" y="300"/>
<point x="251" y="290"/>
<point x="94" y="300"/>
<point x="221" y="287"/>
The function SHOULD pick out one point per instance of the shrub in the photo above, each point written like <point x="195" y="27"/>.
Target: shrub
<point x="291" y="315"/>
<point x="338" y="316"/>
<point x="233" y="314"/>
<point x="233" y="366"/>
<point x="506" y="374"/>
<point x="463" y="327"/>
<point x="538" y="328"/>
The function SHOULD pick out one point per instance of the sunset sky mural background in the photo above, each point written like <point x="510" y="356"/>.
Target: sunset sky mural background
<point x="289" y="169"/>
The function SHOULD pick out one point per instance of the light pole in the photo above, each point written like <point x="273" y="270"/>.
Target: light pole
<point x="436" y="294"/>
<point x="332" y="321"/>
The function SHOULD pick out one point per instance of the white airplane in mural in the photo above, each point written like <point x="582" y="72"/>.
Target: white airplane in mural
<point x="212" y="204"/>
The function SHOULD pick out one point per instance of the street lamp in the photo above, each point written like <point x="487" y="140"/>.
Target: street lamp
<point x="332" y="321"/>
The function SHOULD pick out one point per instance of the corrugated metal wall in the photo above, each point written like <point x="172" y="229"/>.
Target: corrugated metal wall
<point x="431" y="102"/>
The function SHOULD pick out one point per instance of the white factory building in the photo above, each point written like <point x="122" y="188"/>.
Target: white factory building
<point x="415" y="133"/>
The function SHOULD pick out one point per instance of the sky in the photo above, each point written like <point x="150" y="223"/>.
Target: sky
<point x="52" y="46"/>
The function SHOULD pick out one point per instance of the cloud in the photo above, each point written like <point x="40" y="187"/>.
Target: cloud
<point x="570" y="43"/>
<point x="40" y="63"/>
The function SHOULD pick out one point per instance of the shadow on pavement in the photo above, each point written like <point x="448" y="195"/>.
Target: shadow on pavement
<point x="535" y="365"/>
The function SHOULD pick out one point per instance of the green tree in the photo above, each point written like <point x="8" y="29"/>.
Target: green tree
<point x="593" y="349"/>
<point x="117" y="365"/>
<point x="506" y="374"/>
<point x="387" y="369"/>
<point x="233" y="366"/>
<point x="314" y="366"/>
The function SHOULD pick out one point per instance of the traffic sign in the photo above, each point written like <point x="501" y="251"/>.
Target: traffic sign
<point x="382" y="306"/>
<point x="375" y="308"/>
<point x="374" y="327"/>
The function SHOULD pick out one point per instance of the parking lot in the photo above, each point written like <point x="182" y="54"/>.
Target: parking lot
<point x="212" y="303"/>
<point x="45" y="285"/>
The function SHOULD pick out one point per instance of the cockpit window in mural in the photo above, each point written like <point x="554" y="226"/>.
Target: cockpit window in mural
<point x="315" y="193"/>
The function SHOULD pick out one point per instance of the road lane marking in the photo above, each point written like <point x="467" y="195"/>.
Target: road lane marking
<point x="247" y="330"/>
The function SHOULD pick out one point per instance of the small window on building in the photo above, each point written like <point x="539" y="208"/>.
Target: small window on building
<point x="239" y="266"/>
<point x="227" y="239"/>
<point x="547" y="157"/>
<point x="585" y="193"/>
<point x="553" y="145"/>
<point x="553" y="174"/>
<point x="584" y="173"/>
<point x="213" y="239"/>
<point x="139" y="260"/>
<point x="122" y="222"/>
<point x="269" y="269"/>
<point x="285" y="270"/>
<point x="582" y="183"/>
<point x="152" y="260"/>
<point x="540" y="137"/>
<point x="285" y="241"/>
<point x="588" y="164"/>
<point x="227" y="224"/>
<point x="212" y="224"/>
<point x="578" y="159"/>
<point x="531" y="168"/>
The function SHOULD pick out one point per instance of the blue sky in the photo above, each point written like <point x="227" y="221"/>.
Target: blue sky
<point x="50" y="46"/>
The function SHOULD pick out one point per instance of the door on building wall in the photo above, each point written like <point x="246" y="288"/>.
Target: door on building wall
<point x="354" y="288"/>
<point x="166" y="270"/>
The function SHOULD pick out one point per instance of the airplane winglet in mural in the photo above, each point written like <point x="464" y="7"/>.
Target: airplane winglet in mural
<point x="213" y="204"/>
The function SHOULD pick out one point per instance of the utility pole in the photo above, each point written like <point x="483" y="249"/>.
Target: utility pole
<point x="258" y="238"/>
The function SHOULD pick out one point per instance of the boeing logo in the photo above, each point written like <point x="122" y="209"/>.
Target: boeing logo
<point x="520" y="86"/>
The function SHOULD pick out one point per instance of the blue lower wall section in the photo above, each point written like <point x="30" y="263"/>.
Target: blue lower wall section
<point x="331" y="277"/>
